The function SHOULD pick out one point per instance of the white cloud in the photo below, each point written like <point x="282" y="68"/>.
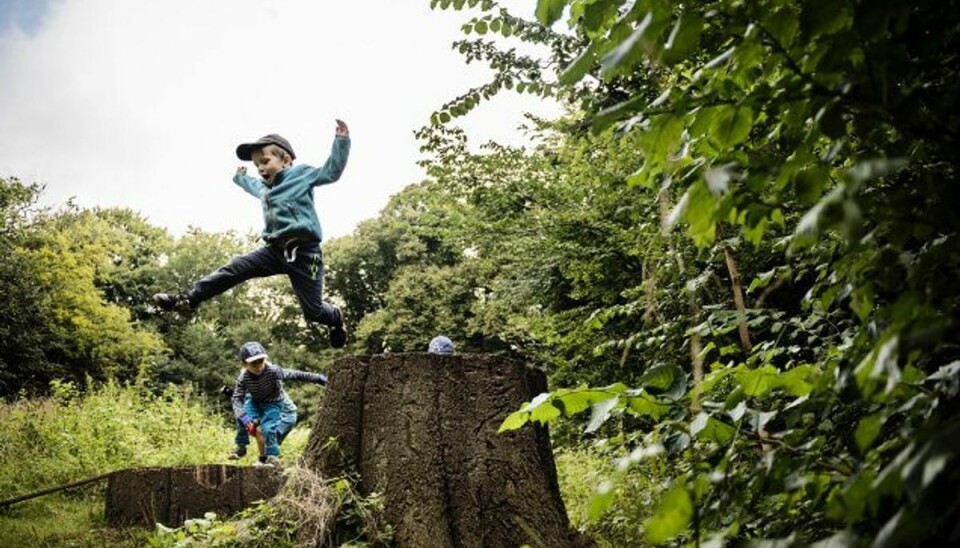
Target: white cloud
<point x="141" y="104"/>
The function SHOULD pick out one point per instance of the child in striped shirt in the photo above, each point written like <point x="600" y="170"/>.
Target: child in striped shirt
<point x="268" y="409"/>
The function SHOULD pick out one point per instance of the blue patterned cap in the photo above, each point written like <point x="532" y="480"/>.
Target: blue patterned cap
<point x="440" y="345"/>
<point x="252" y="351"/>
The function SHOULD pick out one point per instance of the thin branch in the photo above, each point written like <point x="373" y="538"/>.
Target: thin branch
<point x="42" y="492"/>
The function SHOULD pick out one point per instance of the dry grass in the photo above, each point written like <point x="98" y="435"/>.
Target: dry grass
<point x="309" y="501"/>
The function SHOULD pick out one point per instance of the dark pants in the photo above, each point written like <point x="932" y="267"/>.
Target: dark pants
<point x="302" y="263"/>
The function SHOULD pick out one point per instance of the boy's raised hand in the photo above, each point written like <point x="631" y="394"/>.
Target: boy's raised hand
<point x="342" y="128"/>
<point x="241" y="170"/>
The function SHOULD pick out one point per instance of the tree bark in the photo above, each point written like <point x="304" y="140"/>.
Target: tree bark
<point x="422" y="430"/>
<point x="171" y="495"/>
<point x="738" y="300"/>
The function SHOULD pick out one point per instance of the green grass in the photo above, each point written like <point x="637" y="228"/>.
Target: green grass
<point x="58" y="520"/>
<point x="581" y="471"/>
<point x="72" y="436"/>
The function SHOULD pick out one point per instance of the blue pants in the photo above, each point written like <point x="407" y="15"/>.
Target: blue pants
<point x="302" y="263"/>
<point x="276" y="421"/>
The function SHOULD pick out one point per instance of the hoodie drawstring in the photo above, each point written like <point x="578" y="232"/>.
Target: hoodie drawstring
<point x="290" y="253"/>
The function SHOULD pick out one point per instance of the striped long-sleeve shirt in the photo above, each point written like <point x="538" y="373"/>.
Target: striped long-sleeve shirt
<point x="267" y="387"/>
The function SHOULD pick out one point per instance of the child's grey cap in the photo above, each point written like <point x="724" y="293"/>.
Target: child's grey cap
<point x="252" y="351"/>
<point x="245" y="151"/>
<point x="440" y="345"/>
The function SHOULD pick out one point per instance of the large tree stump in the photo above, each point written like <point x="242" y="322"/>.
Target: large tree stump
<point x="172" y="495"/>
<point x="422" y="430"/>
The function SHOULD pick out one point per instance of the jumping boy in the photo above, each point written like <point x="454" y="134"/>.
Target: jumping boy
<point x="261" y="405"/>
<point x="292" y="230"/>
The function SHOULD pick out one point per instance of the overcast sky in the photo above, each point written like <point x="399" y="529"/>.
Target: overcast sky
<point x="141" y="103"/>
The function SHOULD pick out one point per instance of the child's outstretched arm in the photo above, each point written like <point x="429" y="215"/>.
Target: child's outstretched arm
<point x="337" y="161"/>
<point x="293" y="374"/>
<point x="252" y="185"/>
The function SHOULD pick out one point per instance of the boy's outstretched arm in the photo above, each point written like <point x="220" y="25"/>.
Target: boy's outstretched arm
<point x="293" y="374"/>
<point x="333" y="168"/>
<point x="252" y="185"/>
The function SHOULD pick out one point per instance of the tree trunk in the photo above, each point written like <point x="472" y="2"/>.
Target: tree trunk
<point x="422" y="430"/>
<point x="738" y="300"/>
<point x="171" y="495"/>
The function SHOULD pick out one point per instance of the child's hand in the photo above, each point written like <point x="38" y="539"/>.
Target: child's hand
<point x="342" y="129"/>
<point x="249" y="424"/>
<point x="241" y="170"/>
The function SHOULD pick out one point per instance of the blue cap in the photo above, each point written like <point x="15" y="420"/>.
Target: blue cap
<point x="252" y="351"/>
<point x="440" y="345"/>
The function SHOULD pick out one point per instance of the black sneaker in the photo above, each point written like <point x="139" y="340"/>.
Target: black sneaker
<point x="172" y="302"/>
<point x="338" y="331"/>
<point x="238" y="452"/>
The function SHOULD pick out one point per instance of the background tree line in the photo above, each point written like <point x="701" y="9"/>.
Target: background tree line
<point x="77" y="286"/>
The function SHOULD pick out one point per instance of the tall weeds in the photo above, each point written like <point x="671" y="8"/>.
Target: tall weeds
<point x="74" y="435"/>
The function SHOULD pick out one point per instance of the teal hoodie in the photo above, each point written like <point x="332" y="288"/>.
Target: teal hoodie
<point x="288" y="210"/>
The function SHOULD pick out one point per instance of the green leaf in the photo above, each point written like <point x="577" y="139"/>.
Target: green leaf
<point x="837" y="208"/>
<point x="731" y="126"/>
<point x="577" y="400"/>
<point x="706" y="427"/>
<point x="848" y="504"/>
<point x="738" y="412"/>
<point x="548" y="11"/>
<point x="574" y="402"/>
<point x="672" y="516"/>
<point x="536" y="401"/>
<point x="514" y="421"/>
<point x="660" y="377"/>
<point x="808" y="183"/>
<point x="627" y="53"/>
<point x="757" y="382"/>
<point x="784" y="25"/>
<point x="647" y="406"/>
<point x="684" y="38"/>
<point x="861" y="301"/>
<point x="880" y="364"/>
<point x="714" y="378"/>
<point x="868" y="430"/>
<point x="748" y="54"/>
<point x="661" y="140"/>
<point x="824" y="17"/>
<point x="600" y="413"/>
<point x="544" y="414"/>
<point x="581" y="65"/>
<point x="799" y="380"/>
<point x="608" y="116"/>
<point x="698" y="208"/>
<point x="597" y="13"/>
